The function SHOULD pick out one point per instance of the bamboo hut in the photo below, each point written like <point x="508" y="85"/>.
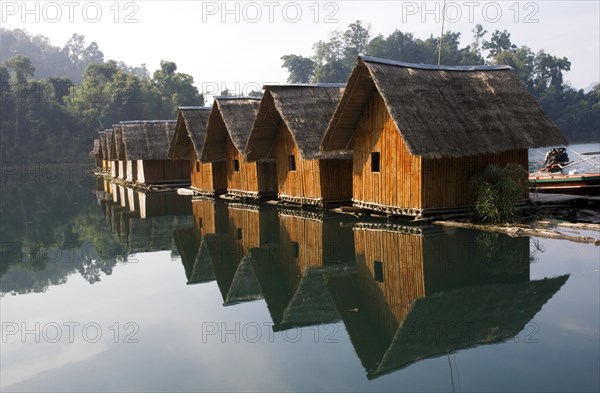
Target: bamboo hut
<point x="293" y="275"/>
<point x="119" y="149"/>
<point x="229" y="125"/>
<point x="421" y="293"/>
<point x="147" y="142"/>
<point x="419" y="133"/>
<point x="186" y="144"/>
<point x="289" y="126"/>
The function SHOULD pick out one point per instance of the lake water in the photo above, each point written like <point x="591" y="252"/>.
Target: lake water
<point x="108" y="289"/>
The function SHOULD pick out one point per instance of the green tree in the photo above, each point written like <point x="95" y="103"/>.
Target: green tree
<point x="500" y="42"/>
<point x="300" y="69"/>
<point x="23" y="71"/>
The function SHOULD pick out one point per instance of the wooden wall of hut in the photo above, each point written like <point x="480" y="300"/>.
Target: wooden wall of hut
<point x="249" y="179"/>
<point x="396" y="180"/>
<point x="207" y="178"/>
<point x="309" y="181"/>
<point x="387" y="175"/>
<point x="210" y="216"/>
<point x="446" y="180"/>
<point x="163" y="171"/>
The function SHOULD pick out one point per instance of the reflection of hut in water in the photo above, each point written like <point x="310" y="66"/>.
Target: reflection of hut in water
<point x="418" y="294"/>
<point x="249" y="226"/>
<point x="186" y="144"/>
<point x="227" y="132"/>
<point x="292" y="275"/>
<point x="210" y="219"/>
<point x="147" y="142"/>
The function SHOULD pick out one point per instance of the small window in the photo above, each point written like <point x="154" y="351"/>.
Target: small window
<point x="197" y="166"/>
<point x="378" y="271"/>
<point x="236" y="165"/>
<point x="295" y="250"/>
<point x="292" y="161"/>
<point x="199" y="222"/>
<point x="376" y="162"/>
<point x="239" y="233"/>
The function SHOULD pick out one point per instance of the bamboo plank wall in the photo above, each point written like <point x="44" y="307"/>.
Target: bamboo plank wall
<point x="399" y="182"/>
<point x="313" y="179"/>
<point x="304" y="182"/>
<point x="211" y="178"/>
<point x="446" y="180"/>
<point x="246" y="178"/>
<point x="156" y="171"/>
<point x="401" y="256"/>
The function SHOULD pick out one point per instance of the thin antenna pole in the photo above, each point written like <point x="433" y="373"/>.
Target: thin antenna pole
<point x="442" y="34"/>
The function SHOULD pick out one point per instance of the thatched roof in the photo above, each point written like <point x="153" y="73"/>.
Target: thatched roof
<point x="444" y="111"/>
<point x="233" y="116"/>
<point x="117" y="136"/>
<point x="147" y="139"/>
<point x="158" y="137"/>
<point x="187" y="242"/>
<point x="305" y="110"/>
<point x="110" y="146"/>
<point x="190" y="130"/>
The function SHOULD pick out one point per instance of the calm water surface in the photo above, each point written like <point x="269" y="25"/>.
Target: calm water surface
<point x="107" y="289"/>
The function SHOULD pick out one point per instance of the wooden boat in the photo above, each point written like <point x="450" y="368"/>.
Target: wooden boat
<point x="565" y="178"/>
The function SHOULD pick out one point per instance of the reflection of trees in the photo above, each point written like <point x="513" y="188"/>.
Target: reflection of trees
<point x="51" y="231"/>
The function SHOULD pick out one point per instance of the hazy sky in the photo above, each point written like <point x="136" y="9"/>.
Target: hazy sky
<point x="238" y="45"/>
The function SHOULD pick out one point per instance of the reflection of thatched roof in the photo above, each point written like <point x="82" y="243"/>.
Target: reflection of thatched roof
<point x="229" y="116"/>
<point x="118" y="141"/>
<point x="311" y="304"/>
<point x="155" y="233"/>
<point x="440" y="324"/>
<point x="306" y="305"/>
<point x="203" y="265"/>
<point x="305" y="110"/>
<point x="445" y="111"/>
<point x="147" y="139"/>
<point x="244" y="285"/>
<point x="186" y="241"/>
<point x="190" y="130"/>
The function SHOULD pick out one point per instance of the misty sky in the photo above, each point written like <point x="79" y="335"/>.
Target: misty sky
<point x="238" y="45"/>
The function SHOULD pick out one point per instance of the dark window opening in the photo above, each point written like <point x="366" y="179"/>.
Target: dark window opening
<point x="239" y="233"/>
<point x="236" y="165"/>
<point x="295" y="250"/>
<point x="376" y="162"/>
<point x="292" y="161"/>
<point x="199" y="222"/>
<point x="378" y="271"/>
<point x="197" y="166"/>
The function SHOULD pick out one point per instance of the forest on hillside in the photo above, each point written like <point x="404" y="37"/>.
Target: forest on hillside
<point x="55" y="100"/>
